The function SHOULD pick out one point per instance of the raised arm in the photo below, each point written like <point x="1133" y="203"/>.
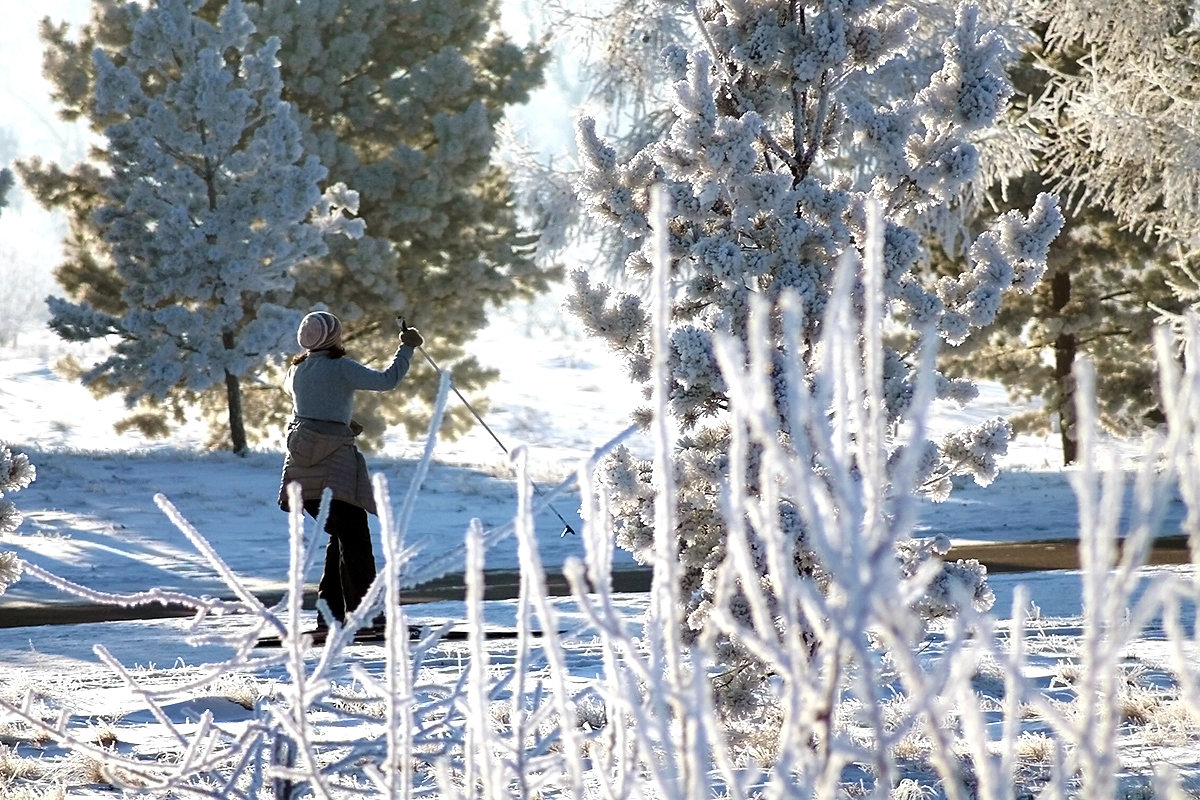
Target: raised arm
<point x="360" y="376"/>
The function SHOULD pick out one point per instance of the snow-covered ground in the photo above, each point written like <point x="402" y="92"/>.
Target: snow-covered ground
<point x="91" y="515"/>
<point x="91" y="518"/>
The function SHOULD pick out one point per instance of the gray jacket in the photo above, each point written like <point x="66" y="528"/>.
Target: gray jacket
<point x="320" y="444"/>
<point x="323" y="387"/>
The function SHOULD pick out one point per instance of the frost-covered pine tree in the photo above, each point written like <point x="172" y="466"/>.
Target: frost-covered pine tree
<point x="763" y="202"/>
<point x="208" y="209"/>
<point x="405" y="99"/>
<point x="610" y="66"/>
<point x="1125" y="125"/>
<point x="400" y="102"/>
<point x="1107" y="283"/>
<point x="1104" y="291"/>
<point x="16" y="472"/>
<point x="1127" y="128"/>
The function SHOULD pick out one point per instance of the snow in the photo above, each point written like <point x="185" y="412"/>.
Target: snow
<point x="91" y="516"/>
<point x="92" y="519"/>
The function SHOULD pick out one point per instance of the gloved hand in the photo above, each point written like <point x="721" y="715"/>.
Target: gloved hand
<point x="411" y="337"/>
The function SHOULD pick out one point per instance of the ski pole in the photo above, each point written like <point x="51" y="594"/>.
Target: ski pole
<point x="403" y="327"/>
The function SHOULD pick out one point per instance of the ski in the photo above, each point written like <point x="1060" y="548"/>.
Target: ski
<point x="362" y="636"/>
<point x="379" y="635"/>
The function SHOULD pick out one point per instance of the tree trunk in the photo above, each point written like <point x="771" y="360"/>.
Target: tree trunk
<point x="1064" y="358"/>
<point x="233" y="393"/>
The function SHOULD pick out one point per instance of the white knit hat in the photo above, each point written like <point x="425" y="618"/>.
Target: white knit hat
<point x="319" y="330"/>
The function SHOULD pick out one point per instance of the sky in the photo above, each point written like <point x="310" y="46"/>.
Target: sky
<point x="30" y="237"/>
<point x="24" y="91"/>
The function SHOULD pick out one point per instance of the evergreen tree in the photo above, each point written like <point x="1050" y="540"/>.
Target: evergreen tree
<point x="1121" y="122"/>
<point x="16" y="472"/>
<point x="613" y="48"/>
<point x="758" y="205"/>
<point x="1106" y="286"/>
<point x="208" y="210"/>
<point x="1103" y="294"/>
<point x="1126" y="127"/>
<point x="397" y="100"/>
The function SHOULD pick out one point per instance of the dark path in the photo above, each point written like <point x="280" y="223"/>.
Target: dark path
<point x="500" y="585"/>
<point x="1050" y="554"/>
<point x="1058" y="554"/>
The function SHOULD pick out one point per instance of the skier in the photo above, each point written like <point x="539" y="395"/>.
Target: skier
<point x="321" y="452"/>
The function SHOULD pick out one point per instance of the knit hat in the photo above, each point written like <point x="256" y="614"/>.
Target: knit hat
<point x="319" y="330"/>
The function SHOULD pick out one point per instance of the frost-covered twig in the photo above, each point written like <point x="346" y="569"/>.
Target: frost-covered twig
<point x="154" y="596"/>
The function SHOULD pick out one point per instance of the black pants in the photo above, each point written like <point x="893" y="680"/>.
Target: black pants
<point x="349" y="560"/>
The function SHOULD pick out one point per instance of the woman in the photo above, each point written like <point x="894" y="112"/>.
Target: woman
<point x="321" y="453"/>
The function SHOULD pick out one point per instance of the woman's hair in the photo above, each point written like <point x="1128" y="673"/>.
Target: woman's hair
<point x="336" y="351"/>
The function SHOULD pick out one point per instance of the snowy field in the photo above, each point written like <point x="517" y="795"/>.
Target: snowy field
<point x="91" y="518"/>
